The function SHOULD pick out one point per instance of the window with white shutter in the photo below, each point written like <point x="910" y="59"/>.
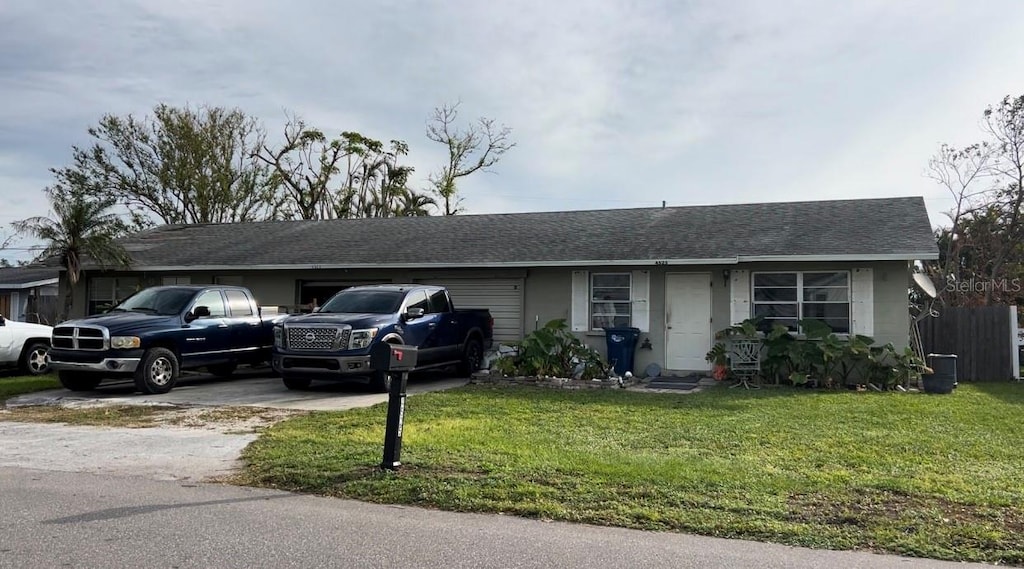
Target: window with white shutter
<point x="606" y="299"/>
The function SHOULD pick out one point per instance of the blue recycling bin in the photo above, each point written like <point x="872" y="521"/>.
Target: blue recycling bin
<point x="621" y="347"/>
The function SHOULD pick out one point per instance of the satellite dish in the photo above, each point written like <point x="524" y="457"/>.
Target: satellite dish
<point x="926" y="284"/>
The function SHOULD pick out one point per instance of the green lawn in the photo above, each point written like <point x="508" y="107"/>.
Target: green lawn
<point x="937" y="476"/>
<point x="11" y="386"/>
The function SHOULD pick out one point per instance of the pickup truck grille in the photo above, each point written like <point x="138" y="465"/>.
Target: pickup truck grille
<point x="79" y="338"/>
<point x="310" y="338"/>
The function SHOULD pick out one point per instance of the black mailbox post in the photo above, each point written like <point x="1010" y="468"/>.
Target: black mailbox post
<point x="397" y="360"/>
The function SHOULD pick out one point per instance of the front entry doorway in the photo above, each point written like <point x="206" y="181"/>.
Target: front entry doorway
<point x="687" y="321"/>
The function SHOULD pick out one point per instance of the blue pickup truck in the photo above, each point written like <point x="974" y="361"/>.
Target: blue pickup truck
<point x="159" y="331"/>
<point x="334" y="342"/>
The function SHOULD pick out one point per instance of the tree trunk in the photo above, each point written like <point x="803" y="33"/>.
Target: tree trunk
<point x="68" y="300"/>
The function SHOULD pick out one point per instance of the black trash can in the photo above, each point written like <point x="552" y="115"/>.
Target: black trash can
<point x="943" y="380"/>
<point x="621" y="347"/>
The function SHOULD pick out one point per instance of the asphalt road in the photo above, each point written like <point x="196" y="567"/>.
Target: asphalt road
<point x="59" y="519"/>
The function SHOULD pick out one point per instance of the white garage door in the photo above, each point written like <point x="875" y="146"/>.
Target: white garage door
<point x="503" y="297"/>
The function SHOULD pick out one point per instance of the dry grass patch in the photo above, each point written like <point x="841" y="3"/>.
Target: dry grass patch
<point x="231" y="420"/>
<point x="131" y="416"/>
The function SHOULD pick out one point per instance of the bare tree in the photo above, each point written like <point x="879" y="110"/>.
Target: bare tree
<point x="1005" y="124"/>
<point x="964" y="173"/>
<point x="476" y="147"/>
<point x="986" y="240"/>
<point x="305" y="164"/>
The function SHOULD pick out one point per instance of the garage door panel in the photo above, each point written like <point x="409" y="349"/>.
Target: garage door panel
<point x="503" y="297"/>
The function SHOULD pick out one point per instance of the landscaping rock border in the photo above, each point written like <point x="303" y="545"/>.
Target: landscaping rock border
<point x="554" y="382"/>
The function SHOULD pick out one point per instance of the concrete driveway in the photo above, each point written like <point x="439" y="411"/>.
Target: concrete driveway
<point x="173" y="452"/>
<point x="248" y="388"/>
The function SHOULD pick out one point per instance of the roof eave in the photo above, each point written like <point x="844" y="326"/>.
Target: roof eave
<point x="919" y="256"/>
<point x="560" y="263"/>
<point x="33" y="284"/>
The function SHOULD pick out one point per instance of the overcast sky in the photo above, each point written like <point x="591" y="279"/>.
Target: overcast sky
<point x="613" y="103"/>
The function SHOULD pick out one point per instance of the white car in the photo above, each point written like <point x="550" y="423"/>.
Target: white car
<point x="25" y="346"/>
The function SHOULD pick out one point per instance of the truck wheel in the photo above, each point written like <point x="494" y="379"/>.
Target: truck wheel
<point x="222" y="370"/>
<point x="296" y="383"/>
<point x="33" y="359"/>
<point x="157" y="372"/>
<point x="78" y="380"/>
<point x="472" y="357"/>
<point x="381" y="382"/>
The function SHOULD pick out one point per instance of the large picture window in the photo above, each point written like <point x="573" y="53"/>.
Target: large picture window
<point x="610" y="295"/>
<point x="785" y="298"/>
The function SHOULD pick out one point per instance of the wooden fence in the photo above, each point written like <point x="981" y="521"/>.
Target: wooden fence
<point x="984" y="340"/>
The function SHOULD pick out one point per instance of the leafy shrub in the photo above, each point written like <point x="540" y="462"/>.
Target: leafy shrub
<point x="821" y="356"/>
<point x="553" y="351"/>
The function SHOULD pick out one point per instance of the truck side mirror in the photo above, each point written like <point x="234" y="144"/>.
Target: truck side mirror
<point x="198" y="312"/>
<point x="413" y="313"/>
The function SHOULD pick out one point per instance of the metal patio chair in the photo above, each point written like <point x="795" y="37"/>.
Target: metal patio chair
<point x="745" y="362"/>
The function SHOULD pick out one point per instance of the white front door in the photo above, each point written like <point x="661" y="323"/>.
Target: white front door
<point x="687" y="321"/>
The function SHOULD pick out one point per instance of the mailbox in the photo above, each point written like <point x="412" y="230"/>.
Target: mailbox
<point x="396" y="360"/>
<point x="393" y="357"/>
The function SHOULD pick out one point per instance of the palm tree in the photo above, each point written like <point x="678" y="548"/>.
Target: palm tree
<point x="414" y="204"/>
<point x="82" y="229"/>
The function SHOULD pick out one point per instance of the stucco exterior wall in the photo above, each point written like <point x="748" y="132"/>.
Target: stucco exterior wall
<point x="548" y="293"/>
<point x="549" y="296"/>
<point x="892" y="313"/>
<point x="281" y="288"/>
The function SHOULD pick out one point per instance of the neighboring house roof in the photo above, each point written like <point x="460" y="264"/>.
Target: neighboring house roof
<point x="27" y="277"/>
<point x="855" y="230"/>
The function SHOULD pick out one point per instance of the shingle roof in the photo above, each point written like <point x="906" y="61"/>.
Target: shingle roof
<point x="18" y="277"/>
<point x="894" y="228"/>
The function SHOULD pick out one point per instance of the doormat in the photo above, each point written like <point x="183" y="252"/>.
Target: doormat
<point x="692" y="378"/>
